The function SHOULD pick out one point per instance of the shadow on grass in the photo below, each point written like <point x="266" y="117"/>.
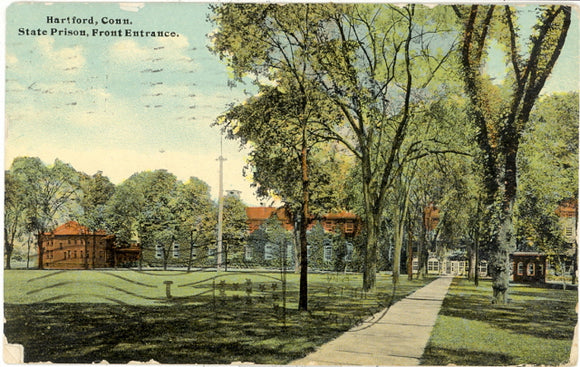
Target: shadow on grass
<point x="463" y="357"/>
<point x="205" y="329"/>
<point x="545" y="313"/>
<point x="82" y="332"/>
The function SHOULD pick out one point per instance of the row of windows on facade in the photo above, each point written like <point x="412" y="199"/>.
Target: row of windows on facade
<point x="434" y="265"/>
<point x="61" y="244"/>
<point x="530" y="269"/>
<point x="269" y="252"/>
<point x="329" y="226"/>
<point x="71" y="254"/>
<point x="159" y="251"/>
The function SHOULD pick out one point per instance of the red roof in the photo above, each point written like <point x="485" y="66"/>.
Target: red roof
<point x="74" y="228"/>
<point x="341" y="215"/>
<point x="260" y="212"/>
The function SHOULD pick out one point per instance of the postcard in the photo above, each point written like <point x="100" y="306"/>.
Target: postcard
<point x="291" y="183"/>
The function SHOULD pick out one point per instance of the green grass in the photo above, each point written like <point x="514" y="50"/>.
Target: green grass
<point x="118" y="316"/>
<point x="535" y="327"/>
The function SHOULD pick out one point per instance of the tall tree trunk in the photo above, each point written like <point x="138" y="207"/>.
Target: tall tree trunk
<point x="297" y="247"/>
<point x="190" y="259"/>
<point x="303" y="297"/>
<point x="399" y="230"/>
<point x="8" y="247"/>
<point x="410" y="253"/>
<point x="40" y="251"/>
<point x="476" y="276"/>
<point x="370" y="252"/>
<point x="28" y="252"/>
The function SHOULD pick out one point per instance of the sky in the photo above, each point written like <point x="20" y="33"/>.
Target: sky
<point x="123" y="105"/>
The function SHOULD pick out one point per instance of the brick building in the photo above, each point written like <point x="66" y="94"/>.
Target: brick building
<point x="567" y="212"/>
<point x="73" y="246"/>
<point x="529" y="267"/>
<point x="346" y="223"/>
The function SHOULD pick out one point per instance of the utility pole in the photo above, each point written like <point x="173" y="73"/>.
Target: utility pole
<point x="221" y="159"/>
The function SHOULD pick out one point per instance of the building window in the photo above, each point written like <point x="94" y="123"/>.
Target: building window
<point x="349" y="227"/>
<point x="289" y="251"/>
<point x="433" y="265"/>
<point x="569" y="230"/>
<point x="540" y="269"/>
<point x="64" y="253"/>
<point x="328" y="253"/>
<point x="520" y="268"/>
<point x="415" y="265"/>
<point x="349" y="251"/>
<point x="531" y="269"/>
<point x="249" y="253"/>
<point x="176" y="251"/>
<point x="328" y="225"/>
<point x="81" y="254"/>
<point x="483" y="267"/>
<point x="74" y="254"/>
<point x="268" y="252"/>
<point x="159" y="251"/>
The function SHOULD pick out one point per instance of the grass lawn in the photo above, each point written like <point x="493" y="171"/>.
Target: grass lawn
<point x="536" y="327"/>
<point x="118" y="316"/>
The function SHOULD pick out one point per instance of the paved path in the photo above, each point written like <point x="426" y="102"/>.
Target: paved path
<point x="397" y="338"/>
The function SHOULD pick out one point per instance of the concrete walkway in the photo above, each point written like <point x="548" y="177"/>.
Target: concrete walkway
<point x="397" y="338"/>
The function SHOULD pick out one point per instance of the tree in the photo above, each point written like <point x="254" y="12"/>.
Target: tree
<point x="50" y="193"/>
<point x="548" y="164"/>
<point x="283" y="123"/>
<point x="500" y="123"/>
<point x="14" y="213"/>
<point x="197" y="216"/>
<point x="361" y="57"/>
<point x="158" y="221"/>
<point x="122" y="210"/>
<point x="96" y="192"/>
<point x="235" y="227"/>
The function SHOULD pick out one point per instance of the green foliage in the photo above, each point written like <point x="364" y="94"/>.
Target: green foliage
<point x="548" y="164"/>
<point x="371" y="66"/>
<point x="152" y="208"/>
<point x="235" y="228"/>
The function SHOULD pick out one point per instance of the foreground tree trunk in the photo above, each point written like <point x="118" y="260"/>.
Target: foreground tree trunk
<point x="40" y="251"/>
<point x="499" y="128"/>
<point x="303" y="297"/>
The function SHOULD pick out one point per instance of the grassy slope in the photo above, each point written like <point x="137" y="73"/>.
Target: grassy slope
<point x="536" y="327"/>
<point x="86" y="316"/>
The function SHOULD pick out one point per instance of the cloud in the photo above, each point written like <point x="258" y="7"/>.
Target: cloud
<point x="128" y="51"/>
<point x="161" y="51"/>
<point x="67" y="59"/>
<point x="11" y="60"/>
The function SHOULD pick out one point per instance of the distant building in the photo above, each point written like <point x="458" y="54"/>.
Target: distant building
<point x="346" y="223"/>
<point x="529" y="267"/>
<point x="567" y="211"/>
<point x="234" y="193"/>
<point x="73" y="246"/>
